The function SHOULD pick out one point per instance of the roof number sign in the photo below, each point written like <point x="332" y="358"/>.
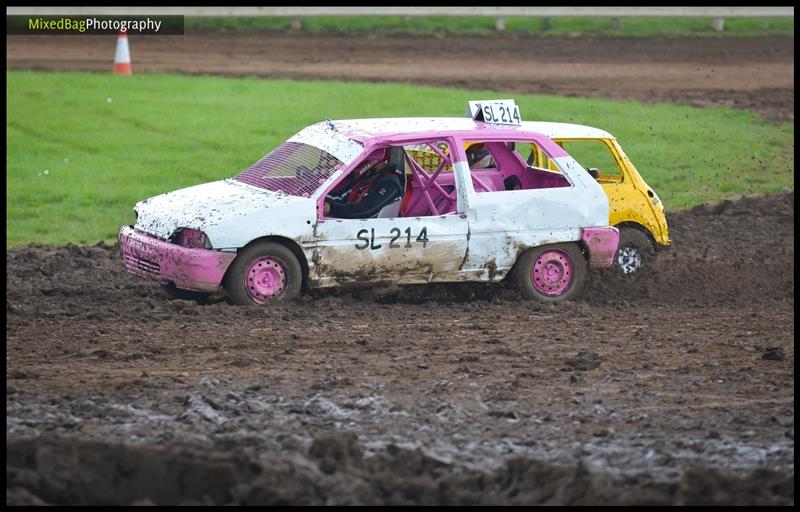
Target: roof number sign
<point x="495" y="111"/>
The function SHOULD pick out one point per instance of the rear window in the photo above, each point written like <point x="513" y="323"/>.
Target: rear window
<point x="292" y="168"/>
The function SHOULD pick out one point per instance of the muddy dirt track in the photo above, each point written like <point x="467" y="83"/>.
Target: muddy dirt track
<point x="675" y="389"/>
<point x="754" y="73"/>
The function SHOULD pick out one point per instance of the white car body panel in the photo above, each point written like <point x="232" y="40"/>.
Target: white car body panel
<point x="502" y="225"/>
<point x="365" y="128"/>
<point x="230" y="213"/>
<point x="322" y="137"/>
<point x="387" y="249"/>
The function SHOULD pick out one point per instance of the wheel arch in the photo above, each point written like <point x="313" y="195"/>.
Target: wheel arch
<point x="638" y="227"/>
<point x="286" y="242"/>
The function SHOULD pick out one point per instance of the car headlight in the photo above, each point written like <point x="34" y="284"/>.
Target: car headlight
<point x="193" y="238"/>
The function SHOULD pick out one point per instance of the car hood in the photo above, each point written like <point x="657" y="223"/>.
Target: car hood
<point x="205" y="206"/>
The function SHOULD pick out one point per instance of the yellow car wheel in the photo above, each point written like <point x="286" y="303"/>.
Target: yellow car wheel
<point x="635" y="254"/>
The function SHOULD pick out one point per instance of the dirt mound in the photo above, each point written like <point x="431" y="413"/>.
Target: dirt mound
<point x="44" y="472"/>
<point x="733" y="251"/>
<point x="117" y="474"/>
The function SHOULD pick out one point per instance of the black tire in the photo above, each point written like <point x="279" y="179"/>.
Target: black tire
<point x="568" y="262"/>
<point x="635" y="254"/>
<point x="283" y="281"/>
<point x="181" y="294"/>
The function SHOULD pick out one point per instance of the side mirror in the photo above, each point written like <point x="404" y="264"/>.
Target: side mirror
<point x="593" y="172"/>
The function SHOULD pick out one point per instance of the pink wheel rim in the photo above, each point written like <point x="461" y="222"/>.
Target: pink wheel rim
<point x="265" y="279"/>
<point x="552" y="273"/>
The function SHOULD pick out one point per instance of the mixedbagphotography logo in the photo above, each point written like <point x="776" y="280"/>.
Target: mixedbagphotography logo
<point x="87" y="24"/>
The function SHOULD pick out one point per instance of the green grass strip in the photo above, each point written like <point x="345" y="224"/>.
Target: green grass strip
<point x="84" y="147"/>
<point x="467" y="26"/>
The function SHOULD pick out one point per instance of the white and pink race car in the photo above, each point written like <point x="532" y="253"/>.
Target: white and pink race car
<point x="391" y="200"/>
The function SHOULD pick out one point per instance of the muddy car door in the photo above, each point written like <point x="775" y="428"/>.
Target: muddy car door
<point x="514" y="206"/>
<point x="419" y="236"/>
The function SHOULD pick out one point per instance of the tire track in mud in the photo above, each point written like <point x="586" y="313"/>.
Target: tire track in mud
<point x="423" y="394"/>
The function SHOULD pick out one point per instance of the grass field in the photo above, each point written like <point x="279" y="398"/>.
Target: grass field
<point x="83" y="147"/>
<point x="521" y="26"/>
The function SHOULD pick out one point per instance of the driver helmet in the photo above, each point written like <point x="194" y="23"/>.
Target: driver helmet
<point x="478" y="156"/>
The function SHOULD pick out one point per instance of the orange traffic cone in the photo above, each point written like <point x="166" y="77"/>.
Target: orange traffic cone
<point x="122" y="60"/>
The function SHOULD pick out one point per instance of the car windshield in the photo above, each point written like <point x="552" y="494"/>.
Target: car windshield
<point x="293" y="168"/>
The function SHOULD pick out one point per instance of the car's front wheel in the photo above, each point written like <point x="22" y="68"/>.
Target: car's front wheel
<point x="551" y="273"/>
<point x="635" y="254"/>
<point x="263" y="272"/>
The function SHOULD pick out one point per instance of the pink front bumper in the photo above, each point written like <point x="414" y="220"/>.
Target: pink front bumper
<point x="602" y="244"/>
<point x="153" y="258"/>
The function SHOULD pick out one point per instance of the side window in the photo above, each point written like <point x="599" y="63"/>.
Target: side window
<point x="430" y="184"/>
<point x="414" y="180"/>
<point x="427" y="157"/>
<point x="537" y="158"/>
<point x="596" y="157"/>
<point x="373" y="188"/>
<point x="499" y="166"/>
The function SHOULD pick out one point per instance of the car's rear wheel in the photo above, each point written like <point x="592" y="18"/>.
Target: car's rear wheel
<point x="551" y="273"/>
<point x="635" y="254"/>
<point x="264" y="272"/>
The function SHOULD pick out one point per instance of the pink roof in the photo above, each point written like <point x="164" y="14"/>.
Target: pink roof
<point x="375" y="131"/>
